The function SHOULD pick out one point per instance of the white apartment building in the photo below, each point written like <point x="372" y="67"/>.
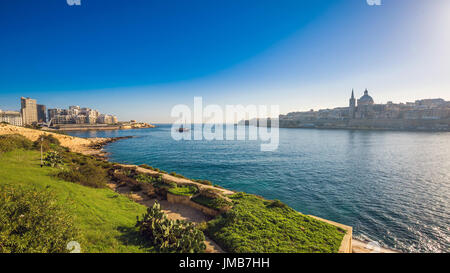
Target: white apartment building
<point x="11" y="117"/>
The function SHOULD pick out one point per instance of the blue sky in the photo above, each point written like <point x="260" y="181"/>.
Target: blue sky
<point x="137" y="59"/>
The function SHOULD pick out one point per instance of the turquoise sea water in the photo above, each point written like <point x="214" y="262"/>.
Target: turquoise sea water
<point x="392" y="187"/>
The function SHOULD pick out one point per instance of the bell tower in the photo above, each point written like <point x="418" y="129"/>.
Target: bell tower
<point x="352" y="105"/>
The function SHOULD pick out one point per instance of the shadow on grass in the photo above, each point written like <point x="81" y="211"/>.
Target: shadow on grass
<point x="130" y="236"/>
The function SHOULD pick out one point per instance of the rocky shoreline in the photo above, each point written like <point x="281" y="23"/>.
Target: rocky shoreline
<point x="100" y="144"/>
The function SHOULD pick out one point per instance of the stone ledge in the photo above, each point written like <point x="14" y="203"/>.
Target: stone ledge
<point x="346" y="244"/>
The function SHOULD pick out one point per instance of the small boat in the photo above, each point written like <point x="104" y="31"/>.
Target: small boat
<point x="182" y="129"/>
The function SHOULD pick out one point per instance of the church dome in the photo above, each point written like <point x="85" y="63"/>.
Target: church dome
<point x="366" y="99"/>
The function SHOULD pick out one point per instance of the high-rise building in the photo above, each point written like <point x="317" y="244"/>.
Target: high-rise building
<point x="53" y="113"/>
<point x="29" y="111"/>
<point x="41" y="113"/>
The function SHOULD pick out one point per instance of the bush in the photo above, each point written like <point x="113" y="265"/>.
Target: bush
<point x="49" y="142"/>
<point x="52" y="159"/>
<point x="277" y="204"/>
<point x="11" y="142"/>
<point x="144" y="178"/>
<point x="177" y="175"/>
<point x="253" y="226"/>
<point x="32" y="222"/>
<point x="214" y="203"/>
<point x="33" y="126"/>
<point x="203" y="181"/>
<point x="145" y="166"/>
<point x="184" y="190"/>
<point x="87" y="174"/>
<point x="168" y="235"/>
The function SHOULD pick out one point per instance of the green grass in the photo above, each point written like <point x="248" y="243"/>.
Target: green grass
<point x="184" y="191"/>
<point x="106" y="220"/>
<point x="256" y="225"/>
<point x="214" y="203"/>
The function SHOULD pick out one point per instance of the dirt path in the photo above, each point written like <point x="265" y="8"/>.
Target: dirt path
<point x="178" y="180"/>
<point x="173" y="211"/>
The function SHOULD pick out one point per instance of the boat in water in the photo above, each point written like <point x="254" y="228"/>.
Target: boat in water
<point x="183" y="128"/>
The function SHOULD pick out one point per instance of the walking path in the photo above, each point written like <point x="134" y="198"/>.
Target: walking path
<point x="178" y="180"/>
<point x="173" y="211"/>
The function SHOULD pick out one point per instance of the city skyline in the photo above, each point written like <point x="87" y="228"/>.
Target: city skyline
<point x="138" y="62"/>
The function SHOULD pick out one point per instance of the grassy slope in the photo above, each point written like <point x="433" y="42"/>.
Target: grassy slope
<point x="259" y="227"/>
<point x="105" y="218"/>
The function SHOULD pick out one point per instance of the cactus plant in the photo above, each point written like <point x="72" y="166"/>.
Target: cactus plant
<point x="169" y="235"/>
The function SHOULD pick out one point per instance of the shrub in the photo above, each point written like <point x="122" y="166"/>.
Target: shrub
<point x="203" y="181"/>
<point x="145" y="166"/>
<point x="33" y="126"/>
<point x="253" y="226"/>
<point x="177" y="175"/>
<point x="88" y="175"/>
<point x="159" y="183"/>
<point x="52" y="159"/>
<point x="32" y="222"/>
<point x="130" y="172"/>
<point x="184" y="190"/>
<point x="168" y="235"/>
<point x="11" y="142"/>
<point x="48" y="142"/>
<point x="277" y="204"/>
<point x="214" y="203"/>
<point x="144" y="178"/>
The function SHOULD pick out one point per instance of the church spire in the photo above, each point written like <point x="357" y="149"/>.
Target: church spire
<point x="352" y="105"/>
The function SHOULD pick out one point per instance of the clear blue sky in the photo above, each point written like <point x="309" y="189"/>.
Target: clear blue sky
<point x="137" y="59"/>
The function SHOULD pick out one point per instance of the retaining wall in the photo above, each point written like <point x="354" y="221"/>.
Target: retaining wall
<point x="346" y="244"/>
<point x="186" y="200"/>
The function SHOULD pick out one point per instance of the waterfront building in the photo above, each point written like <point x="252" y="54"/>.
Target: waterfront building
<point x="41" y="113"/>
<point x="29" y="111"/>
<point x="107" y="119"/>
<point x="52" y="113"/>
<point x="427" y="114"/>
<point x="11" y="117"/>
<point x="79" y="115"/>
<point x="74" y="110"/>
